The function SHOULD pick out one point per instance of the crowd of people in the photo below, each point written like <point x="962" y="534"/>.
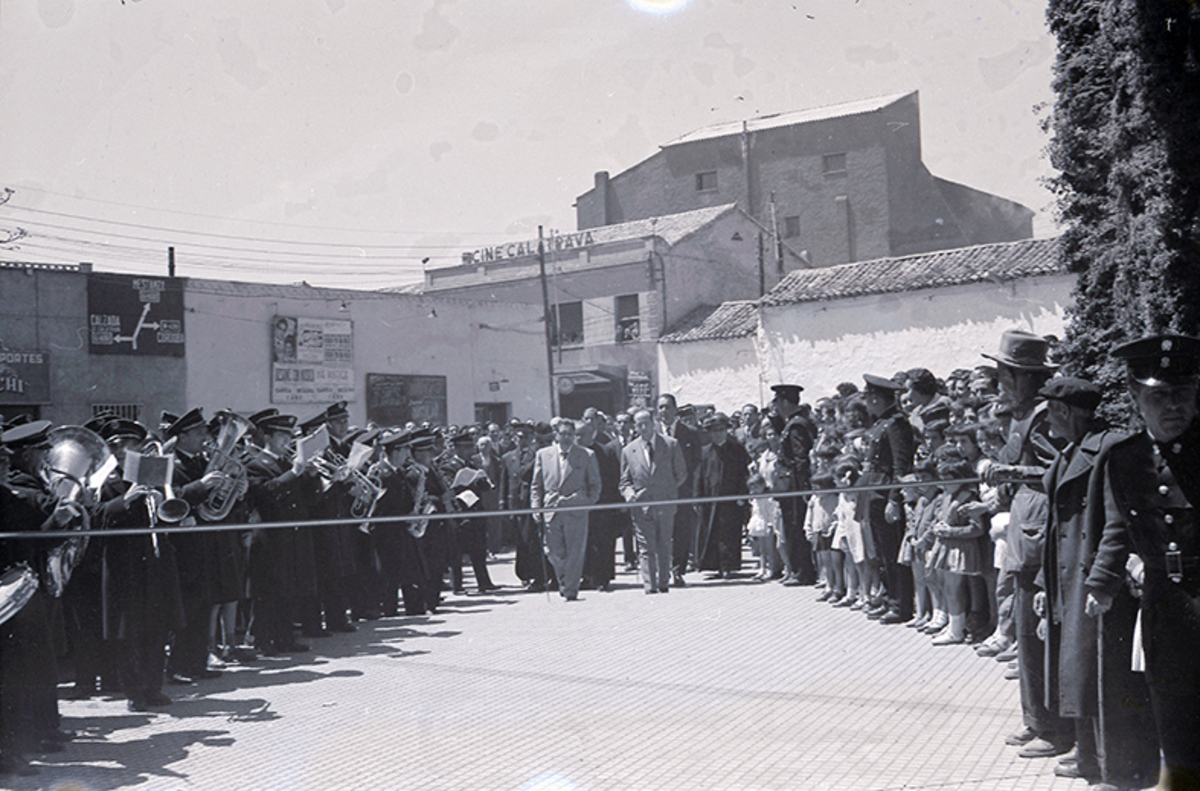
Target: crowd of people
<point x="987" y="508"/>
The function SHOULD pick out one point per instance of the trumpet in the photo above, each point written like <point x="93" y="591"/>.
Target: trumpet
<point x="233" y="486"/>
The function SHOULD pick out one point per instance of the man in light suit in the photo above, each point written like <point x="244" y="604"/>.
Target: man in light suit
<point x="652" y="468"/>
<point x="565" y="474"/>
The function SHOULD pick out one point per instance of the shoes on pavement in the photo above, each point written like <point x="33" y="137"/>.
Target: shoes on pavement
<point x="892" y="617"/>
<point x="180" y="680"/>
<point x="1044" y="748"/>
<point x="15" y="764"/>
<point x="917" y="622"/>
<point x="992" y="646"/>
<point x="664" y="589"/>
<point x="157" y="699"/>
<point x="936" y="624"/>
<point x="1021" y="737"/>
<point x="650" y="591"/>
<point x="1012" y="674"/>
<point x="678" y="581"/>
<point x="215" y="662"/>
<point x="1008" y="654"/>
<point x="845" y="601"/>
<point x="826" y="595"/>
<point x="949" y="638"/>
<point x="1071" y="768"/>
<point x="792" y="582"/>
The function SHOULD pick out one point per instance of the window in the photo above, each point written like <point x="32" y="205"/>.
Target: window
<point x="627" y="319"/>
<point x="568" y="324"/>
<point x="834" y="164"/>
<point x="791" y="227"/>
<point x="706" y="181"/>
<point x="127" y="411"/>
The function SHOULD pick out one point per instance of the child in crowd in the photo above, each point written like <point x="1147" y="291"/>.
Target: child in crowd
<point x="852" y="536"/>
<point x="819" y="523"/>
<point x="765" y="515"/>
<point x="957" y="552"/>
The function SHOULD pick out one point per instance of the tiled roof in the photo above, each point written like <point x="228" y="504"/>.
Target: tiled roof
<point x="859" y="107"/>
<point x="670" y="227"/>
<point x="708" y="323"/>
<point x="1007" y="261"/>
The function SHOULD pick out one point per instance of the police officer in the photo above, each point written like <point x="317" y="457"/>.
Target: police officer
<point x="1151" y="490"/>
<point x="890" y="451"/>
<point x="797" y="435"/>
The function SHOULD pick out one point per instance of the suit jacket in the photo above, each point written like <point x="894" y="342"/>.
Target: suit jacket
<point x="643" y="479"/>
<point x="559" y="482"/>
<point x="691" y="444"/>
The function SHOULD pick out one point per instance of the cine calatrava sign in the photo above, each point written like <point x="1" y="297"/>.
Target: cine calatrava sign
<point x="312" y="360"/>
<point x="135" y="315"/>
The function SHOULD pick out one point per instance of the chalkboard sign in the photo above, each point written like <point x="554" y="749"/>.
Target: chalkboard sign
<point x="395" y="399"/>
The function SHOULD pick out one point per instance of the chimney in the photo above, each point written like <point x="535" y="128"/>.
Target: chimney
<point x="602" y="195"/>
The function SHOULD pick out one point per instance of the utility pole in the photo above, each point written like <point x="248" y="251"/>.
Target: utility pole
<point x="546" y="320"/>
<point x="171" y="261"/>
<point x="778" y="242"/>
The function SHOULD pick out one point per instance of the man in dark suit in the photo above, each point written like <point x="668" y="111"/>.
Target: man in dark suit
<point x="683" y="542"/>
<point x="724" y="469"/>
<point x="652" y="468"/>
<point x="599" y="563"/>
<point x="565" y="474"/>
<point x="1151" y="491"/>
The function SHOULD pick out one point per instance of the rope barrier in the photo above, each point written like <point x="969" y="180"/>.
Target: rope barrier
<point x="215" y="527"/>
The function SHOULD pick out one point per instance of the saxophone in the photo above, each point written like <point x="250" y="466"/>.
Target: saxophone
<point x="423" y="505"/>
<point x="224" y="459"/>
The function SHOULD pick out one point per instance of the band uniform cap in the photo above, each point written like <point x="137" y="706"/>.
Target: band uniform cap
<point x="687" y="410"/>
<point x="396" y="439"/>
<point x="790" y="393"/>
<point x="312" y="424"/>
<point x="524" y="427"/>
<point x="18" y="420"/>
<point x="166" y="419"/>
<point x="1024" y="350"/>
<point x="264" y="413"/>
<point x="1073" y="391"/>
<point x="717" y="420"/>
<point x="276" y="422"/>
<point x="98" y="421"/>
<point x="424" y="438"/>
<point x="365" y="436"/>
<point x="123" y="428"/>
<point x="1161" y="359"/>
<point x="882" y="383"/>
<point x="543" y="430"/>
<point x="186" y="422"/>
<point x="337" y="411"/>
<point x="33" y="434"/>
<point x="462" y="436"/>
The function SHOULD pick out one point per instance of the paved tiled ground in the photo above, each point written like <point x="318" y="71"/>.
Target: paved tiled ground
<point x="721" y="685"/>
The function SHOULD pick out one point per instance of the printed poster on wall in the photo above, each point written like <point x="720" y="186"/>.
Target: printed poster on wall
<point x="135" y="315"/>
<point x="312" y="360"/>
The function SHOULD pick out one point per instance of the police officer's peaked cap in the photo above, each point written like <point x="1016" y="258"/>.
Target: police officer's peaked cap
<point x="1162" y="359"/>
<point x="881" y="383"/>
<point x="28" y="435"/>
<point x="337" y="411"/>
<point x="789" y="393"/>
<point x="186" y="422"/>
<point x="1073" y="391"/>
<point x="424" y="438"/>
<point x="313" y="423"/>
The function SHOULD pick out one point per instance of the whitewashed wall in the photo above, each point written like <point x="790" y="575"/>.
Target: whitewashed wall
<point x="819" y="344"/>
<point x="472" y="344"/>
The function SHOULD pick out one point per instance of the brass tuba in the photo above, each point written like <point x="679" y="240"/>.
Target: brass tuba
<point x="423" y="504"/>
<point x="225" y="460"/>
<point x="74" y="468"/>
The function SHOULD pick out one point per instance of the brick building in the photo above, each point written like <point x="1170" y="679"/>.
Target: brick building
<point x="847" y="183"/>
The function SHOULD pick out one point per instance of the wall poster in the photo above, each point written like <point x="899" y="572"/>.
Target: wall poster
<point x="312" y="360"/>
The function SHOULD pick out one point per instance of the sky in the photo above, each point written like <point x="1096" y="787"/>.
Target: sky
<point x="351" y="144"/>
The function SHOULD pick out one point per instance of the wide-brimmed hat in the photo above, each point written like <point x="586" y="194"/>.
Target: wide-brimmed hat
<point x="1024" y="350"/>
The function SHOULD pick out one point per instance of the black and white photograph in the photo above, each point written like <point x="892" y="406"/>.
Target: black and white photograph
<point x="600" y="395"/>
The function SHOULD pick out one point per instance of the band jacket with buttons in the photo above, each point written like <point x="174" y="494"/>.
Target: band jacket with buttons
<point x="1150" y="491"/>
<point x="1071" y="539"/>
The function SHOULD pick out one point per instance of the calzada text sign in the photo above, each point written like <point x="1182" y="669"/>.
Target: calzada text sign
<point x="135" y="315"/>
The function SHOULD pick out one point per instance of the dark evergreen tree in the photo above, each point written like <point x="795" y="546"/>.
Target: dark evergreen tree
<point x="1126" y="141"/>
